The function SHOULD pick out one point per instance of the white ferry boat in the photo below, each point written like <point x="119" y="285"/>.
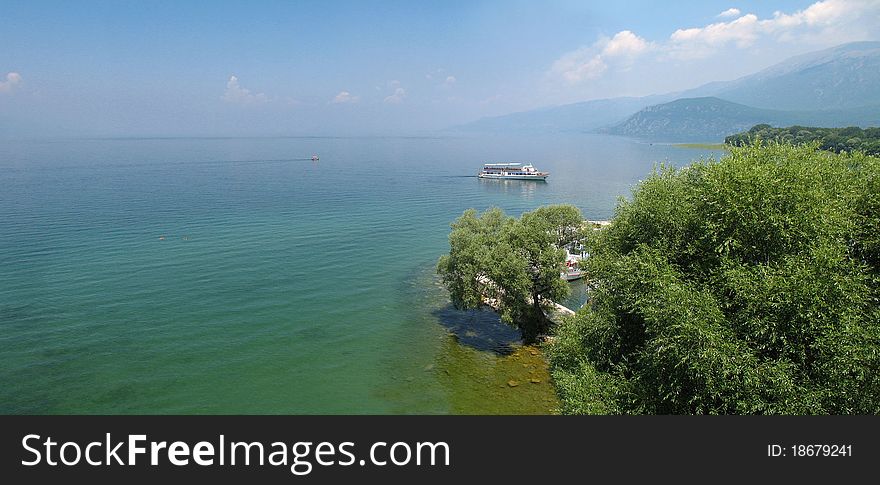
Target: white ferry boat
<point x="572" y="262"/>
<point x="515" y="171"/>
<point x="571" y="273"/>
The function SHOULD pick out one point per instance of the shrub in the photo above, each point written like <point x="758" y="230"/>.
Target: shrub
<point x="748" y="285"/>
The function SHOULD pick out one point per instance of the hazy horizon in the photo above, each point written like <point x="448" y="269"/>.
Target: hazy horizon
<point x="235" y="69"/>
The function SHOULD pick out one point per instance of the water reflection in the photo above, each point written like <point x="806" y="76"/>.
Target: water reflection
<point x="480" y="329"/>
<point x="526" y="189"/>
<point x="578" y="296"/>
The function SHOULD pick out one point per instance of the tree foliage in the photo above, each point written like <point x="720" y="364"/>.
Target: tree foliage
<point x="749" y="285"/>
<point x="837" y="140"/>
<point x="515" y="262"/>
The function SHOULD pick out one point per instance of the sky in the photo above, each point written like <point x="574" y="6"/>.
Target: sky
<point x="270" y="68"/>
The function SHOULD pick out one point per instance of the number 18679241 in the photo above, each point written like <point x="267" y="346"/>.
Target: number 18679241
<point x="812" y="450"/>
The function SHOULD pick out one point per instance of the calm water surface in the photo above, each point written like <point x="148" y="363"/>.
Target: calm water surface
<point x="236" y="276"/>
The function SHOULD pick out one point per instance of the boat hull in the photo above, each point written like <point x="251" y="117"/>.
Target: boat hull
<point x="542" y="178"/>
<point x="572" y="276"/>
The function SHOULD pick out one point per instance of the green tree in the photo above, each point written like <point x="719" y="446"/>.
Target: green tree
<point x="514" y="262"/>
<point x="749" y="285"/>
<point x="836" y="140"/>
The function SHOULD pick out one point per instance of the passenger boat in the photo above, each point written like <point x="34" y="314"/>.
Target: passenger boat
<point x="572" y="259"/>
<point x="572" y="271"/>
<point x="514" y="171"/>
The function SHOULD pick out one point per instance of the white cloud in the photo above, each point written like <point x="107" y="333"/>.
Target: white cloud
<point x="345" y="97"/>
<point x="443" y="81"/>
<point x="822" y="24"/>
<point x="579" y="66"/>
<point x="396" y="97"/>
<point x="437" y="73"/>
<point x="700" y="41"/>
<point x="623" y="44"/>
<point x="826" y="22"/>
<point x="238" y="95"/>
<point x="592" y="61"/>
<point x="13" y="79"/>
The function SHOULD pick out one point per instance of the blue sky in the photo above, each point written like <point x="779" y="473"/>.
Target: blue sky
<point x="261" y="67"/>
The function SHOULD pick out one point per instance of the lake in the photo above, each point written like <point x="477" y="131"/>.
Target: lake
<point x="235" y="275"/>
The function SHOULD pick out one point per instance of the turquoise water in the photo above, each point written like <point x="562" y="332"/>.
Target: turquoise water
<point x="235" y="276"/>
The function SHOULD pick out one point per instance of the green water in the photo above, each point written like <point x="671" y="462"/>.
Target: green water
<point x="233" y="276"/>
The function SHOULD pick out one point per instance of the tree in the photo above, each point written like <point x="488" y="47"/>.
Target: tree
<point x="749" y="285"/>
<point x="837" y="140"/>
<point x="515" y="263"/>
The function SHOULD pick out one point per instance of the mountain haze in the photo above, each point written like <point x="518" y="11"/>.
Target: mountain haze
<point x="845" y="76"/>
<point x="839" y="86"/>
<point x="578" y="117"/>
<point x="712" y="118"/>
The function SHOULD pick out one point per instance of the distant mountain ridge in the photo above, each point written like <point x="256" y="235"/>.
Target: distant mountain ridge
<point x="833" y="87"/>
<point x="846" y="76"/>
<point x="580" y="117"/>
<point x="711" y="118"/>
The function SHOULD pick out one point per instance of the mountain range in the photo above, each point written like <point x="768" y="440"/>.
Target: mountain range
<point x="835" y="87"/>
<point x="712" y="118"/>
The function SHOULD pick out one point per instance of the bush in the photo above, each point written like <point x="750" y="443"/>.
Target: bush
<point x="749" y="285"/>
<point x="514" y="262"/>
<point x="848" y="139"/>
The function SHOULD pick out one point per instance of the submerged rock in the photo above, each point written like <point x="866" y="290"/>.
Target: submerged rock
<point x="512" y="383"/>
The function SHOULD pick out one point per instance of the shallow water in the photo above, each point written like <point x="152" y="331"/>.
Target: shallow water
<point x="232" y="276"/>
